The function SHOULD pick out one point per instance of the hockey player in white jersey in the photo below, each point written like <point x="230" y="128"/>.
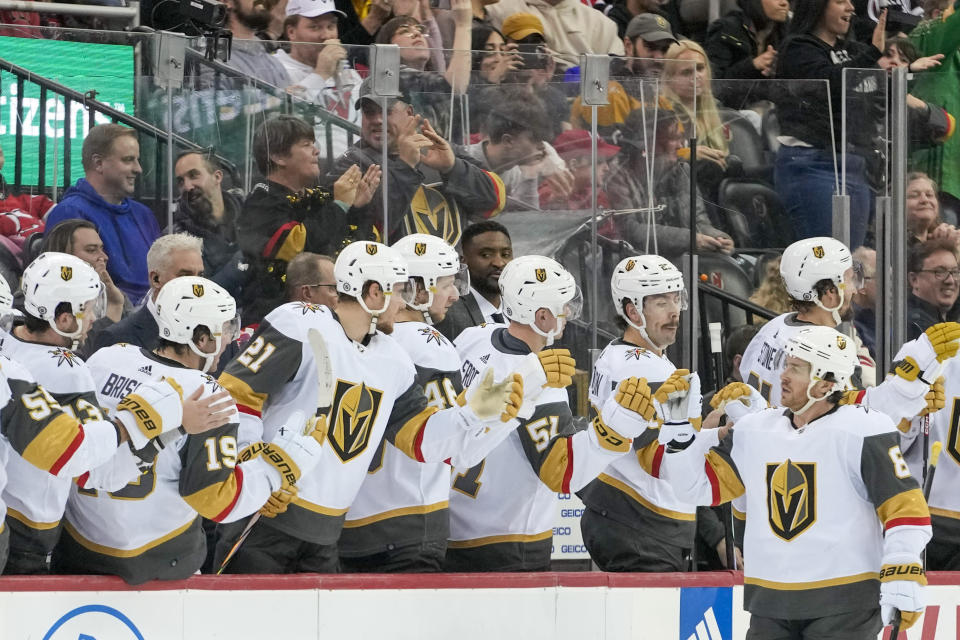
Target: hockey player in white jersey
<point x="61" y="295"/>
<point x="399" y="521"/>
<point x="836" y="522"/>
<point x="501" y="510"/>
<point x="150" y="529"/>
<point x="633" y="520"/>
<point x="376" y="396"/>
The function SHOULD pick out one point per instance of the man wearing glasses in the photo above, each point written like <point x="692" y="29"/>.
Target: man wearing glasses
<point x="934" y="284"/>
<point x="310" y="279"/>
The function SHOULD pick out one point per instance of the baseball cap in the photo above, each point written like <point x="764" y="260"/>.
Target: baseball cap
<point x="576" y="142"/>
<point x="521" y="25"/>
<point x="312" y="8"/>
<point x="366" y="89"/>
<point x="651" y="27"/>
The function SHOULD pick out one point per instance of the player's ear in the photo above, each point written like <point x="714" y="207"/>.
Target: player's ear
<point x="634" y="314"/>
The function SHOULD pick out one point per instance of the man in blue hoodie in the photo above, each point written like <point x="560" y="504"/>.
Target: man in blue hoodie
<point x="111" y="164"/>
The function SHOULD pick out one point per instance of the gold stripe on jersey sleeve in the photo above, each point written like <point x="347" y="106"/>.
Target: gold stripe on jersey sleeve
<point x="52" y="442"/>
<point x="242" y="392"/>
<point x="316" y="508"/>
<point x="739" y="515"/>
<point x="816" y="584"/>
<point x="554" y="467"/>
<point x="646" y="455"/>
<point x="482" y="542"/>
<point x="213" y="499"/>
<point x="123" y="553"/>
<point x="944" y="513"/>
<point x="630" y="491"/>
<point x="408" y="437"/>
<point x="420" y="509"/>
<point x="724" y="481"/>
<point x="40" y="526"/>
<point x="907" y="504"/>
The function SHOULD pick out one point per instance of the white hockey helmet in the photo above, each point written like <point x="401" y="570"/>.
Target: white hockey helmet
<point x="637" y="277"/>
<point x="54" y="278"/>
<point x="829" y="352"/>
<point x="363" y="262"/>
<point x="806" y="262"/>
<point x="530" y="283"/>
<point x="7" y="313"/>
<point x="188" y="302"/>
<point x="431" y="258"/>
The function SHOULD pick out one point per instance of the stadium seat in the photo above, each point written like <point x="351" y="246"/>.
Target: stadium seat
<point x="755" y="214"/>
<point x="725" y="272"/>
<point x="747" y="144"/>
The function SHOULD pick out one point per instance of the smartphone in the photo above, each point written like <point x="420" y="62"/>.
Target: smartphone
<point x="534" y="56"/>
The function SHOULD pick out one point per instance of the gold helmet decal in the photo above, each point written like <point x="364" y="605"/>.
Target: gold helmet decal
<point x="198" y="290"/>
<point x="791" y="498"/>
<point x="420" y="248"/>
<point x="541" y="275"/>
<point x="630" y="265"/>
<point x="354" y="412"/>
<point x="818" y="251"/>
<point x="66" y="272"/>
<point x="372" y="249"/>
<point x="841" y="342"/>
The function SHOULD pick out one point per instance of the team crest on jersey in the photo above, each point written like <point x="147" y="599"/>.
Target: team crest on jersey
<point x="841" y="342"/>
<point x="431" y="213"/>
<point x="541" y="275"/>
<point x="630" y="265"/>
<point x="354" y="412"/>
<point x="634" y="353"/>
<point x="66" y="273"/>
<point x="818" y="252"/>
<point x="308" y="307"/>
<point x="372" y="249"/>
<point x="63" y="356"/>
<point x="791" y="497"/>
<point x="198" y="290"/>
<point x="420" y="248"/>
<point x="432" y="335"/>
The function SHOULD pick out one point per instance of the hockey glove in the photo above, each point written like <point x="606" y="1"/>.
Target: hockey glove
<point x="738" y="399"/>
<point x="945" y="339"/>
<point x="677" y="432"/>
<point x="278" y="501"/>
<point x="630" y="410"/>
<point x="296" y="448"/>
<point x="154" y="408"/>
<point x="674" y="387"/>
<point x="902" y="582"/>
<point x="559" y="367"/>
<point x="489" y="400"/>
<point x="936" y="398"/>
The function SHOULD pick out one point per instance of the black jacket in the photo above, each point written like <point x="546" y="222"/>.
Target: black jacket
<point x="462" y="314"/>
<point x="921" y="315"/>
<point x="276" y="225"/>
<point x="139" y="328"/>
<point x="732" y="45"/>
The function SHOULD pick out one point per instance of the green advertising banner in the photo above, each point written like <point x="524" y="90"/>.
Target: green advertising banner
<point x="105" y="68"/>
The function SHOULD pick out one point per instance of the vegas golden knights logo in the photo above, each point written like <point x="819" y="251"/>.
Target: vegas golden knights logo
<point x="818" y="252"/>
<point x="431" y="213"/>
<point x="541" y="275"/>
<point x="372" y="249"/>
<point x="791" y="497"/>
<point x="66" y="272"/>
<point x="354" y="412"/>
<point x="198" y="290"/>
<point x="420" y="248"/>
<point x="841" y="342"/>
<point x="630" y="265"/>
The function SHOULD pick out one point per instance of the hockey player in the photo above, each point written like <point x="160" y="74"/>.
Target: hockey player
<point x="60" y="295"/>
<point x="633" y="520"/>
<point x="501" y="510"/>
<point x="150" y="529"/>
<point x="837" y="523"/>
<point x="375" y="397"/>
<point x="399" y="520"/>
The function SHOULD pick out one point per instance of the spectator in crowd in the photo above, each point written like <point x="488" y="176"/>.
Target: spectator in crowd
<point x="743" y="44"/>
<point x="940" y="34"/>
<point x="310" y="279"/>
<point x="290" y="213"/>
<point x="493" y="58"/>
<point x="687" y="82"/>
<point x="634" y="77"/>
<point x="248" y="53"/>
<point x="771" y="294"/>
<point x="622" y="12"/>
<point x="865" y="300"/>
<point x="514" y="146"/>
<point x="571" y="27"/>
<point x="79" y="238"/>
<point x="316" y="63"/>
<point x="804" y="173"/>
<point x="111" y="166"/>
<point x="934" y="277"/>
<point x="171" y="256"/>
<point x="486" y="250"/>
<point x="575" y="149"/>
<point x="627" y="188"/>
<point x="923" y="212"/>
<point x="432" y="189"/>
<point x="208" y="211"/>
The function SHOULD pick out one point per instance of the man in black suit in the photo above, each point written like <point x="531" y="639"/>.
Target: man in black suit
<point x="169" y="257"/>
<point x="486" y="249"/>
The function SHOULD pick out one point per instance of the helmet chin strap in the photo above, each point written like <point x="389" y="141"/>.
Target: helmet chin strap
<point x="549" y="335"/>
<point x="642" y="330"/>
<point x="74" y="335"/>
<point x="374" y="315"/>
<point x="835" y="311"/>
<point x="424" y="308"/>
<point x="208" y="358"/>
<point x="810" y="399"/>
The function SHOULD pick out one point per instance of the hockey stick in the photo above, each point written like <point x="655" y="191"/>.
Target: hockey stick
<point x="321" y="357"/>
<point x="716" y="349"/>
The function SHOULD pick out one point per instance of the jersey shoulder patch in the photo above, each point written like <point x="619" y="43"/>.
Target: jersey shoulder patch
<point x="294" y="319"/>
<point x="64" y="357"/>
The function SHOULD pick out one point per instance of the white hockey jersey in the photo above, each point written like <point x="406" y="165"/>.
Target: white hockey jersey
<point x="511" y="495"/>
<point x="36" y="494"/>
<point x="402" y="501"/>
<point x="764" y="358"/>
<point x="627" y="491"/>
<point x="134" y="531"/>
<point x="824" y="501"/>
